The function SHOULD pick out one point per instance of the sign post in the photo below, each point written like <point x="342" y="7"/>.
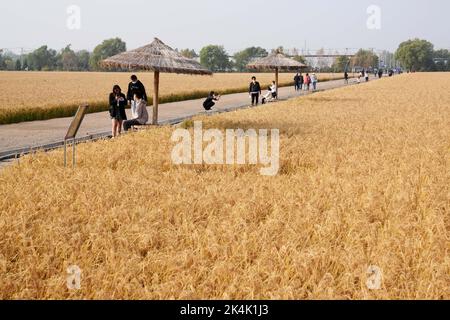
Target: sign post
<point x="72" y="132"/>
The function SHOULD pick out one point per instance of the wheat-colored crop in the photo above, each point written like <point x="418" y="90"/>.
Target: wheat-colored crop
<point x="364" y="181"/>
<point x="45" y="95"/>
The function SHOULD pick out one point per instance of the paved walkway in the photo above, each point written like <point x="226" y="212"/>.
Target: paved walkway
<point x="38" y="133"/>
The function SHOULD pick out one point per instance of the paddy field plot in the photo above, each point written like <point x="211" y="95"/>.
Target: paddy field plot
<point x="364" y="181"/>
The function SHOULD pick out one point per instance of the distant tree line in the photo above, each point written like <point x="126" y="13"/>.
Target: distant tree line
<point x="419" y="55"/>
<point x="413" y="55"/>
<point x="46" y="59"/>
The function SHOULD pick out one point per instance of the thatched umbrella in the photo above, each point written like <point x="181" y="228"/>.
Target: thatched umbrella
<point x="157" y="57"/>
<point x="276" y="61"/>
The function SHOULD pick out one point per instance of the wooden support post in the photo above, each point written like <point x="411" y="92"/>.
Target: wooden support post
<point x="74" y="146"/>
<point x="156" y="99"/>
<point x="65" y="153"/>
<point x="276" y="79"/>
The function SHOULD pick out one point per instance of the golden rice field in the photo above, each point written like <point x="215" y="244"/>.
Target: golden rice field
<point x="46" y="95"/>
<point x="364" y="181"/>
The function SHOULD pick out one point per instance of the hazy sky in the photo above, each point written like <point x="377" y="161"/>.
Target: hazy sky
<point x="236" y="24"/>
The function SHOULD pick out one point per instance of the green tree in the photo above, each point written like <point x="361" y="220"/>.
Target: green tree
<point x="25" y="65"/>
<point x="18" y="65"/>
<point x="83" y="57"/>
<point x="365" y="59"/>
<point x="2" y="61"/>
<point x="341" y="64"/>
<point x="189" y="53"/>
<point x="215" y="58"/>
<point x="415" y="55"/>
<point x="42" y="59"/>
<point x="10" y="65"/>
<point x="242" y="58"/>
<point x="441" y="60"/>
<point x="106" y="49"/>
<point x="67" y="59"/>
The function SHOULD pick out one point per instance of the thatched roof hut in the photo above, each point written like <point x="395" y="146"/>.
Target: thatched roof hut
<point x="276" y="61"/>
<point x="157" y="57"/>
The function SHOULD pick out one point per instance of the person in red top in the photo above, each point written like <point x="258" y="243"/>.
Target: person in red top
<point x="307" y="82"/>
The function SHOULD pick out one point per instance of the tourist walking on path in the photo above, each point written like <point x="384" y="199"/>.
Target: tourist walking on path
<point x="314" y="81"/>
<point x="254" y="91"/>
<point x="366" y="75"/>
<point x="300" y="87"/>
<point x="117" y="103"/>
<point x="380" y="73"/>
<point x="298" y="82"/>
<point x="345" y="77"/>
<point x="306" y="82"/>
<point x="140" y="114"/>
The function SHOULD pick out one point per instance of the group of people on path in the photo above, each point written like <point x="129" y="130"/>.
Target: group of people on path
<point x="304" y="82"/>
<point x="255" y="92"/>
<point x="363" y="74"/>
<point x="136" y="98"/>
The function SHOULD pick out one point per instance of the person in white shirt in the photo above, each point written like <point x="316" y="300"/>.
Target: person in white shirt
<point x="139" y="114"/>
<point x="314" y="81"/>
<point x="274" y="90"/>
<point x="271" y="93"/>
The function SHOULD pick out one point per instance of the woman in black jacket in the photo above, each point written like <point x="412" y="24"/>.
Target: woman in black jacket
<point x="117" y="103"/>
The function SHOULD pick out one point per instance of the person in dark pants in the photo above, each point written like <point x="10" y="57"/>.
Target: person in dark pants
<point x="209" y="102"/>
<point x="346" y="77"/>
<point x="117" y="103"/>
<point x="140" y="114"/>
<point x="297" y="78"/>
<point x="254" y="91"/>
<point x="135" y="86"/>
<point x="300" y="86"/>
<point x="380" y="73"/>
